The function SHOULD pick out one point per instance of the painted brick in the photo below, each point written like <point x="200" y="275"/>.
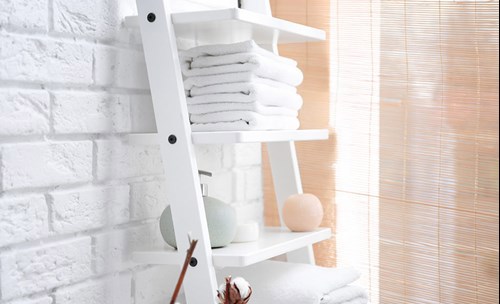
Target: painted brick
<point x="43" y="300"/>
<point x="71" y="71"/>
<point x="44" y="60"/>
<point x="147" y="200"/>
<point x="112" y="250"/>
<point x="74" y="211"/>
<point x="42" y="268"/>
<point x="253" y="183"/>
<point x="23" y="219"/>
<point x="116" y="159"/>
<point x="81" y="112"/>
<point x="111" y="290"/>
<point x="142" y="114"/>
<point x="249" y="211"/>
<point x="122" y="68"/>
<point x="209" y="157"/>
<point x="46" y="164"/>
<point x="155" y="285"/>
<point x="227" y="186"/>
<point x="24" y="112"/>
<point x="91" y="18"/>
<point x="24" y="15"/>
<point x="242" y="155"/>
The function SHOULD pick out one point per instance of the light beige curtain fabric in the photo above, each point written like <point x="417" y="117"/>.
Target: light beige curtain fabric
<point x="410" y="177"/>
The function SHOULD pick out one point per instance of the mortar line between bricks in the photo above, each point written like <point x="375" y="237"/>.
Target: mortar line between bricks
<point x="95" y="150"/>
<point x="1" y="178"/>
<point x="89" y="233"/>
<point x="51" y="112"/>
<point x="72" y="39"/>
<point x="72" y="137"/>
<point x="49" y="201"/>
<point x="83" y="186"/>
<point x="93" y="67"/>
<point x="50" y="16"/>
<point x="55" y="86"/>
<point x="1" y="296"/>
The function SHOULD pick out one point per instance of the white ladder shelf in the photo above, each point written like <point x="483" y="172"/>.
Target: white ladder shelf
<point x="160" y="29"/>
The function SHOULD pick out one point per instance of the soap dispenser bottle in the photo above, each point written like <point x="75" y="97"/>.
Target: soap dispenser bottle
<point x="221" y="220"/>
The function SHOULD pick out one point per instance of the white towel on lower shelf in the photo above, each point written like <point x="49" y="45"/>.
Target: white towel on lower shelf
<point x="351" y="294"/>
<point x="235" y="48"/>
<point x="257" y="107"/>
<point x="242" y="121"/>
<point x="285" y="283"/>
<point x="245" y="62"/>
<point x="203" y="81"/>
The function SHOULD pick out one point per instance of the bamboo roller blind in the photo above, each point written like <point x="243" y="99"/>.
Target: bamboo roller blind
<point x="410" y="181"/>
<point x="314" y="157"/>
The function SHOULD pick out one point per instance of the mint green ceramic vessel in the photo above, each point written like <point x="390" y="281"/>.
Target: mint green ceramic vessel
<point x="221" y="220"/>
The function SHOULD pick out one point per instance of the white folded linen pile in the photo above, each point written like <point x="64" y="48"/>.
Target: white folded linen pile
<point x="289" y="283"/>
<point x="240" y="87"/>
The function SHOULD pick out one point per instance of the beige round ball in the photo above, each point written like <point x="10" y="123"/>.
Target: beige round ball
<point x="302" y="212"/>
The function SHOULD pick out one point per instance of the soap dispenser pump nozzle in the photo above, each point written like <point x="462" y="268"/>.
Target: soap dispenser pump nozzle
<point x="204" y="187"/>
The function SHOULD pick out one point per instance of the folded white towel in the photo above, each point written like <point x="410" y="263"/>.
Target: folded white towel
<point x="242" y="121"/>
<point x="245" y="62"/>
<point x="212" y="61"/>
<point x="226" y="49"/>
<point x="228" y="116"/>
<point x="260" y="75"/>
<point x="257" y="107"/>
<point x="272" y="88"/>
<point x="263" y="95"/>
<point x="351" y="294"/>
<point x="285" y="283"/>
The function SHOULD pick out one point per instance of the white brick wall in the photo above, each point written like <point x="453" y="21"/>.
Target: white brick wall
<point x="75" y="197"/>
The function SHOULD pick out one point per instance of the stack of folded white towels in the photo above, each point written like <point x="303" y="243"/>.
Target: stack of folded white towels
<point x="240" y="87"/>
<point x="288" y="283"/>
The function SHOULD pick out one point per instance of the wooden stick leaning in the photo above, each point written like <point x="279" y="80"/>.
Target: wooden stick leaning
<point x="189" y="255"/>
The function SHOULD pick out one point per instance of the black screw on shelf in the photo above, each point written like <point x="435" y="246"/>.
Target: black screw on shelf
<point x="193" y="262"/>
<point x="172" y="139"/>
<point x="151" y="17"/>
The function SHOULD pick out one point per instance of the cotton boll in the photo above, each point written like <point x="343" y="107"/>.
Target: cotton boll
<point x="243" y="287"/>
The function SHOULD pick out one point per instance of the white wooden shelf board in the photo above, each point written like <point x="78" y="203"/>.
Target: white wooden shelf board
<point x="233" y="137"/>
<point x="272" y="242"/>
<point x="233" y="24"/>
<point x="201" y="138"/>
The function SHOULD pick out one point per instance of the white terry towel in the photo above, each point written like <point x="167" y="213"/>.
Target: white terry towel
<point x="229" y="59"/>
<point x="289" y="283"/>
<point x="250" y="93"/>
<point x="272" y="88"/>
<point x="350" y="294"/>
<point x="260" y="75"/>
<point x="257" y="107"/>
<point x="246" y="62"/>
<point x="235" y="48"/>
<point x="242" y="121"/>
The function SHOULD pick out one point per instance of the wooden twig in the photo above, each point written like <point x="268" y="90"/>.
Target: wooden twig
<point x="189" y="255"/>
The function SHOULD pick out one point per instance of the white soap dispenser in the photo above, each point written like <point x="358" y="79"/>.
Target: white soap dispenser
<point x="221" y="220"/>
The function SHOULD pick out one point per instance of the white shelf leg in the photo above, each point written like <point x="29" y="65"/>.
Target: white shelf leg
<point x="181" y="172"/>
<point x="287" y="181"/>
